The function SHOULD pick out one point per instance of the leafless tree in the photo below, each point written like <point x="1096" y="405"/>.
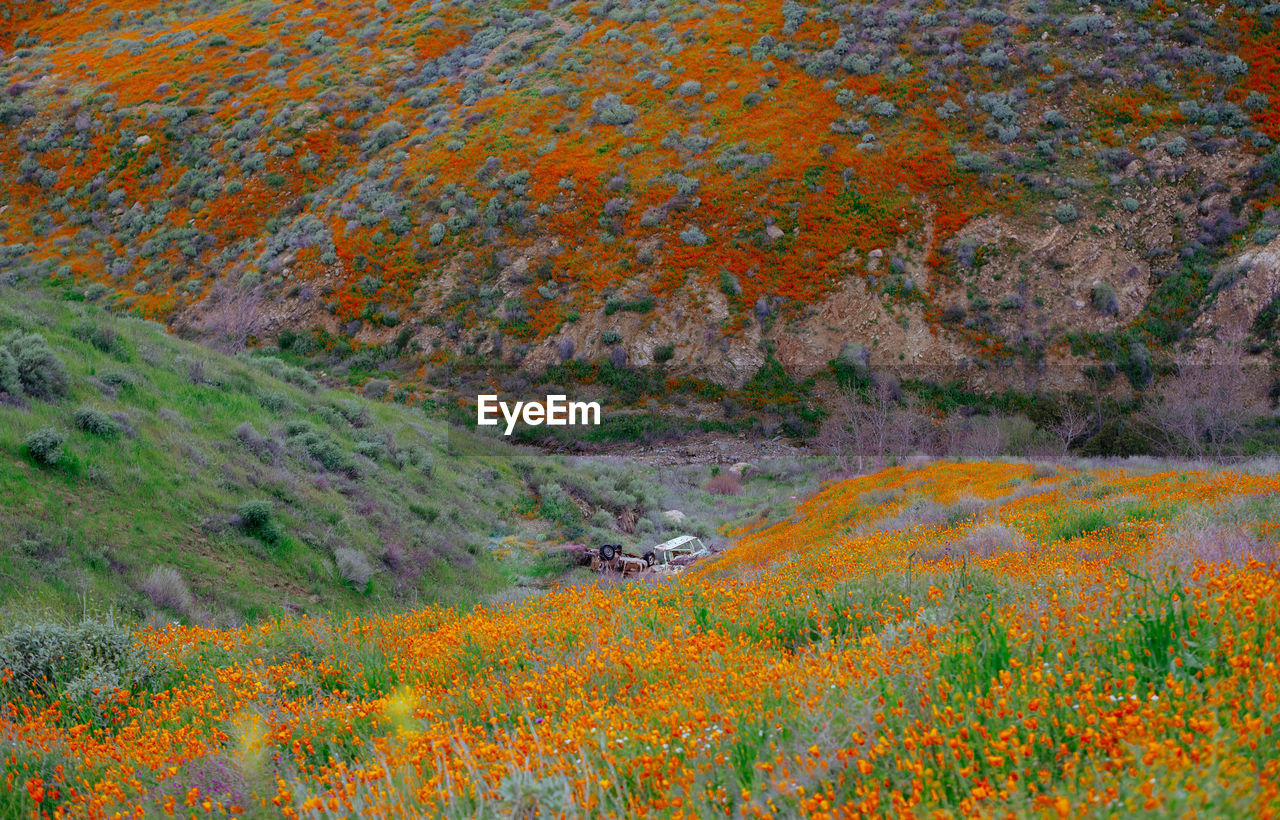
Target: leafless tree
<point x="839" y="435"/>
<point x="952" y="435"/>
<point x="1100" y="378"/>
<point x="1071" y="424"/>
<point x="973" y="436"/>
<point x="985" y="438"/>
<point x="1203" y="409"/>
<point x="232" y="316"/>
<point x="866" y="426"/>
<point x="923" y="433"/>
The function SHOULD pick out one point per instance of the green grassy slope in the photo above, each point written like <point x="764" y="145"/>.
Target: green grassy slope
<point x="199" y="486"/>
<point x="196" y="436"/>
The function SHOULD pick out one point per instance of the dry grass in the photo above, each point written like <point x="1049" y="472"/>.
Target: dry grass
<point x="926" y="512"/>
<point x="1218" y="544"/>
<point x="166" y="588"/>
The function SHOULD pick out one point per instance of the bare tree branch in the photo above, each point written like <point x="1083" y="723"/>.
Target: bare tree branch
<point x="1205" y="408"/>
<point x="864" y="427"/>
<point x="232" y="316"/>
<point x="1071" y="424"/>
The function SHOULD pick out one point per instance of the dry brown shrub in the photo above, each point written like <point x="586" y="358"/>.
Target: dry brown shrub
<point x="725" y="483"/>
<point x="165" y="587"/>
<point x="1219" y="545"/>
<point x="982" y="541"/>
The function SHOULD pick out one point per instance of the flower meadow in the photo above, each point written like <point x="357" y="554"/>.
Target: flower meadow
<point x="957" y="639"/>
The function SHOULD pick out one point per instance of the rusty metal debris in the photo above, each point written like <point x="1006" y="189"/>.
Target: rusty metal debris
<point x="669" y="558"/>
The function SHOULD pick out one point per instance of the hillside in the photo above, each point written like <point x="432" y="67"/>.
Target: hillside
<point x="998" y="192"/>
<point x="149" y="476"/>
<point x="960" y="640"/>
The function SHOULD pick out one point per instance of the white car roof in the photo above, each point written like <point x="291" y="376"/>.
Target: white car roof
<point x="678" y="541"/>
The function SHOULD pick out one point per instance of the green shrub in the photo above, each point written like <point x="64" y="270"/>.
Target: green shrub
<point x="40" y="373"/>
<point x="356" y="414"/>
<point x="1266" y="324"/>
<point x="256" y="514"/>
<point x="118" y="379"/>
<point x="326" y="451"/>
<point x="850" y="366"/>
<point x="9" y="381"/>
<point x="370" y="449"/>
<point x="420" y="458"/>
<point x="271" y="533"/>
<point x="95" y="292"/>
<point x="275" y="401"/>
<point x="102" y="337"/>
<point x="693" y="235"/>
<point x="1104" y="299"/>
<point x="1118" y="437"/>
<point x="44" y="657"/>
<point x="45" y="446"/>
<point x="284" y="372"/>
<point x="552" y="563"/>
<point x="611" y="110"/>
<point x="557" y="506"/>
<point x="95" y="422"/>
<point x="257" y="518"/>
<point x="642" y="305"/>
<point x="83" y="665"/>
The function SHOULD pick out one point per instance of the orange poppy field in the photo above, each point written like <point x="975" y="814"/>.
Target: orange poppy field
<point x="516" y="168"/>
<point x="957" y="639"/>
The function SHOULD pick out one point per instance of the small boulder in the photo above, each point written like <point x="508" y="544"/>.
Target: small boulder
<point x="773" y="232"/>
<point x="742" y="469"/>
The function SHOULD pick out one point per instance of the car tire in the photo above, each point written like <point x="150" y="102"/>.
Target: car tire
<point x="650" y="557"/>
<point x="607" y="552"/>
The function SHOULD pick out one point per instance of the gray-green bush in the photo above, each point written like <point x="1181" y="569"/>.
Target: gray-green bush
<point x="95" y="422"/>
<point x="1104" y="299"/>
<point x="45" y="446"/>
<point x="9" y="381"/>
<point x="353" y="566"/>
<point x="40" y="373"/>
<point x="45" y="657"/>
